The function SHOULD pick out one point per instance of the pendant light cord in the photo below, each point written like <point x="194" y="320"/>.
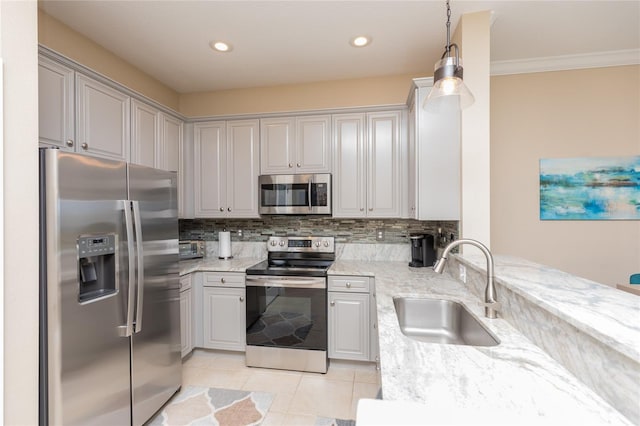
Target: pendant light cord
<point x="448" y="47"/>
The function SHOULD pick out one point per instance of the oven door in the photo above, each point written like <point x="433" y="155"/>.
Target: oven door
<point x="287" y="312"/>
<point x="295" y="194"/>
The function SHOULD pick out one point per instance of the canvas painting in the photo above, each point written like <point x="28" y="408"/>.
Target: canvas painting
<point x="590" y="188"/>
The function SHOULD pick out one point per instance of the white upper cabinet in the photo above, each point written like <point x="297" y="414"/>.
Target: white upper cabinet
<point x="434" y="168"/>
<point x="226" y="156"/>
<point x="102" y="119"/>
<point x="56" y="104"/>
<point x="171" y="130"/>
<point x="295" y="145"/>
<point x="145" y="134"/>
<point x="368" y="164"/>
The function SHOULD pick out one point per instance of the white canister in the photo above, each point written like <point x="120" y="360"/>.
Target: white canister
<point x="224" y="245"/>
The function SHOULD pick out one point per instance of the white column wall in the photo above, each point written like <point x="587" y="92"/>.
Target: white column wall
<point x="19" y="52"/>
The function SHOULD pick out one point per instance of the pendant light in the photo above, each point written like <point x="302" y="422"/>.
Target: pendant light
<point x="449" y="91"/>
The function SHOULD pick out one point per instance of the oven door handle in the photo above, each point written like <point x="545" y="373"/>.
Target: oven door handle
<point x="290" y="282"/>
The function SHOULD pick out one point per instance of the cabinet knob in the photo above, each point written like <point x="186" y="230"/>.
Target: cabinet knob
<point x="348" y="285"/>
<point x="290" y="165"/>
<point x="222" y="280"/>
<point x="298" y="164"/>
<point x="333" y="303"/>
<point x="361" y="209"/>
<point x="221" y="209"/>
<point x="69" y="143"/>
<point x="85" y="146"/>
<point x="228" y="209"/>
<point x="370" y="209"/>
<point x="241" y="299"/>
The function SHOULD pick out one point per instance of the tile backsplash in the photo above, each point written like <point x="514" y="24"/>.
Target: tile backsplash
<point x="396" y="231"/>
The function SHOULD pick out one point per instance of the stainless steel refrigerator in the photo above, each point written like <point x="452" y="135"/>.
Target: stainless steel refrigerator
<point x="109" y="290"/>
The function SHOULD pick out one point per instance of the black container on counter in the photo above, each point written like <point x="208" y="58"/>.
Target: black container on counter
<point x="423" y="252"/>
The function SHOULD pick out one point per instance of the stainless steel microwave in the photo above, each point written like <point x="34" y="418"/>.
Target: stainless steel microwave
<point x="295" y="194"/>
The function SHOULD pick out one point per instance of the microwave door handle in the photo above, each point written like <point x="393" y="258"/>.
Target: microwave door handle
<point x="126" y="206"/>
<point x="309" y="193"/>
<point x="140" y="254"/>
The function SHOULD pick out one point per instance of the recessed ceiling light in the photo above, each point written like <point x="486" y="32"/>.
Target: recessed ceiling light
<point x="360" y="41"/>
<point x="221" y="46"/>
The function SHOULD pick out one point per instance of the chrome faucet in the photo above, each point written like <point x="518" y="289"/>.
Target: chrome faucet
<point x="490" y="304"/>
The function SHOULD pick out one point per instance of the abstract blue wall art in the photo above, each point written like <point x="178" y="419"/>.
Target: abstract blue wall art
<point x="590" y="188"/>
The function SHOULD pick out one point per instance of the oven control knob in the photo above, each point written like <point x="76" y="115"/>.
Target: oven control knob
<point x="326" y="243"/>
<point x="281" y="243"/>
<point x="317" y="243"/>
<point x="273" y="242"/>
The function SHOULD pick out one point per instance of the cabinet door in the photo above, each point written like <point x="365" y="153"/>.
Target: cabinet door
<point x="210" y="169"/>
<point x="224" y="318"/>
<point x="384" y="159"/>
<point x="185" y="322"/>
<point x="313" y="144"/>
<point x="145" y="139"/>
<point x="277" y="145"/>
<point x="171" y="136"/>
<point x="102" y="125"/>
<point x="242" y="168"/>
<point x="349" y="326"/>
<point x="349" y="169"/>
<point x="55" y="104"/>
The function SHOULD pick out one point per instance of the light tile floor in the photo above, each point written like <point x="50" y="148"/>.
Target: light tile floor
<point x="298" y="397"/>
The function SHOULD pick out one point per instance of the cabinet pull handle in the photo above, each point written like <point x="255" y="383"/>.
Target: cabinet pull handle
<point x="241" y="299"/>
<point x="361" y="209"/>
<point x="370" y="209"/>
<point x="222" y="280"/>
<point x="85" y="146"/>
<point x="69" y="143"/>
<point x="333" y="303"/>
<point x="348" y="285"/>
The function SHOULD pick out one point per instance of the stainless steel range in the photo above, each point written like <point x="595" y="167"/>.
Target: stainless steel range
<point x="287" y="305"/>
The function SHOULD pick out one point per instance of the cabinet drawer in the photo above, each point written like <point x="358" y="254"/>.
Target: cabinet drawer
<point x="223" y="279"/>
<point x="346" y="283"/>
<point x="185" y="282"/>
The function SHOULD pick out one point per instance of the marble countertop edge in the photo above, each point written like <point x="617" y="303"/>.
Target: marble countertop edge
<point x="525" y="278"/>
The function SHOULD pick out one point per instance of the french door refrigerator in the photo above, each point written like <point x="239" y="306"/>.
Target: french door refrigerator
<point x="109" y="290"/>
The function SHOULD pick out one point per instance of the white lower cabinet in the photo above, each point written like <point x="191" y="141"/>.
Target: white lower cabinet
<point x="186" y="315"/>
<point x="352" y="331"/>
<point x="224" y="316"/>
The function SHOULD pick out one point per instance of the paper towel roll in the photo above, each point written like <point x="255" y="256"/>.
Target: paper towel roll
<point x="224" y="245"/>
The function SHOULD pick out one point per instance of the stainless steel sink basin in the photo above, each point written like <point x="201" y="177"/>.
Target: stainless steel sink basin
<point x="441" y="321"/>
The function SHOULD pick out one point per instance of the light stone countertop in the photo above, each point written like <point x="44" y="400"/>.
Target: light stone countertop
<point x="514" y="380"/>
<point x="424" y="383"/>
<point x="214" y="264"/>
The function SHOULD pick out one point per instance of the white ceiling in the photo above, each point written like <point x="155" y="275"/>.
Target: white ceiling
<point x="285" y="42"/>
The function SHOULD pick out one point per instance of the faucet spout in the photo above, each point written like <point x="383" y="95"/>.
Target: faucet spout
<point x="490" y="302"/>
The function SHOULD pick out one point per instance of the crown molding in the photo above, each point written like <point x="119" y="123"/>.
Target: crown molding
<point x="567" y="62"/>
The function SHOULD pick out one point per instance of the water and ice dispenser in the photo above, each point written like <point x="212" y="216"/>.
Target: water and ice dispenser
<point x="97" y="266"/>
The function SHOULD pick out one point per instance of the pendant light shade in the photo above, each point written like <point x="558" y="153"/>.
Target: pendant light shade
<point x="449" y="91"/>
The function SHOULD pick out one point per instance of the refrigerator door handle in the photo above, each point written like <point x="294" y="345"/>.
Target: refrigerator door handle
<point x="140" y="255"/>
<point x="126" y="206"/>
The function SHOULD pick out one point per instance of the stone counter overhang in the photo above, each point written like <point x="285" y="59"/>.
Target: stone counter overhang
<point x="469" y="385"/>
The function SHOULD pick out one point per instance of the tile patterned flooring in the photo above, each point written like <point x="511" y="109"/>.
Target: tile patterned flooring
<point x="298" y="397"/>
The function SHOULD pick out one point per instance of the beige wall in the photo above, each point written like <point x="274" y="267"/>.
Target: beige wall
<point x="592" y="112"/>
<point x="19" y="52"/>
<point x="473" y="36"/>
<point x="64" y="40"/>
<point x="373" y="91"/>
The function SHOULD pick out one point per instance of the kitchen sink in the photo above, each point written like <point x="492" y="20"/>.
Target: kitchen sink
<point x="441" y="321"/>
